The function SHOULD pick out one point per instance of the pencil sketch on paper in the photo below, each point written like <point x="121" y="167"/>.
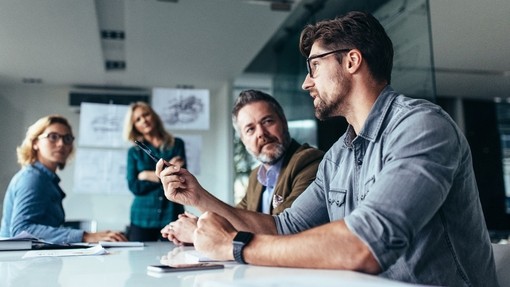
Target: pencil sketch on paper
<point x="106" y="123"/>
<point x="182" y="109"/>
<point x="101" y="125"/>
<point x="101" y="171"/>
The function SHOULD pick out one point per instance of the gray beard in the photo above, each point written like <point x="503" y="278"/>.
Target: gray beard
<point x="271" y="159"/>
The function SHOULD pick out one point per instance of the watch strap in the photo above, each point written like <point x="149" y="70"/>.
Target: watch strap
<point x="240" y="241"/>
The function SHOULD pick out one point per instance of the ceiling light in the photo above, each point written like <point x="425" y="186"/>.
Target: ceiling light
<point x="31" y="81"/>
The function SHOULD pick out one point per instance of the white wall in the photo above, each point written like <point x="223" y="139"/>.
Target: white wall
<point x="21" y="106"/>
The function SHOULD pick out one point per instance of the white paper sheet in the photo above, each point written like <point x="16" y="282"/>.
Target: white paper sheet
<point x="95" y="250"/>
<point x="101" y="125"/>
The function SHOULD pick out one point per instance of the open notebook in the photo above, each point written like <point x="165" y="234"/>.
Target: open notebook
<point x="26" y="241"/>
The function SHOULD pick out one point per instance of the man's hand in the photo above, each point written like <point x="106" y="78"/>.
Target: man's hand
<point x="179" y="184"/>
<point x="177" y="160"/>
<point x="182" y="230"/>
<point x="103" y="236"/>
<point x="214" y="235"/>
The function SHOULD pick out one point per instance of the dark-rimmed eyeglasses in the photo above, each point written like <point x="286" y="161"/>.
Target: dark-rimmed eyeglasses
<point x="312" y="70"/>
<point x="55" y="137"/>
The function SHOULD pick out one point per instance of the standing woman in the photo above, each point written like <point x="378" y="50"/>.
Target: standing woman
<point x="33" y="201"/>
<point x="150" y="210"/>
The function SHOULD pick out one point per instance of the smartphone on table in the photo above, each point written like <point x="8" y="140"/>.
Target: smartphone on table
<point x="183" y="267"/>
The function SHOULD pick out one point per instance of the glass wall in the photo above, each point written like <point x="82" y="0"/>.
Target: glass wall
<point x="408" y="25"/>
<point x="503" y="112"/>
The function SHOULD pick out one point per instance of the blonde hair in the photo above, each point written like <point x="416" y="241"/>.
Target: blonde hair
<point x="25" y="152"/>
<point x="131" y="133"/>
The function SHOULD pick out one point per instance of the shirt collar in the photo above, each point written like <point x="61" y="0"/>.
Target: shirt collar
<point x="42" y="168"/>
<point x="262" y="175"/>
<point x="375" y="118"/>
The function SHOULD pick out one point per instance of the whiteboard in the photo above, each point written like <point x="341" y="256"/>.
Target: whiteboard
<point x="101" y="155"/>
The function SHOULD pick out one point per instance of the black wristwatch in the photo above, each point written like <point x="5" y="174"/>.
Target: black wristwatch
<point x="240" y="241"/>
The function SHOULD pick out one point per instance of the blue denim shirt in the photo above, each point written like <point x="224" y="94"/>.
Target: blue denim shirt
<point x="406" y="187"/>
<point x="33" y="203"/>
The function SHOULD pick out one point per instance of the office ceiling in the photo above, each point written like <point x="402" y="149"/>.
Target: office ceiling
<point x="471" y="40"/>
<point x="203" y="43"/>
<point x="166" y="43"/>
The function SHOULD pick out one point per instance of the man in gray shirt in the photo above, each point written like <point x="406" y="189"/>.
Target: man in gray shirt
<point x="396" y="195"/>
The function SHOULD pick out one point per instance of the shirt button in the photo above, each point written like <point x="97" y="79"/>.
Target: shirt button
<point x="159" y="210"/>
<point x="360" y="162"/>
<point x="161" y="198"/>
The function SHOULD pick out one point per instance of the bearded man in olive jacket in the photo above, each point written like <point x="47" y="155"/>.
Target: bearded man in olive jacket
<point x="297" y="171"/>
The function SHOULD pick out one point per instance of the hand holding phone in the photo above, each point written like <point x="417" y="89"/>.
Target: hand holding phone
<point x="183" y="267"/>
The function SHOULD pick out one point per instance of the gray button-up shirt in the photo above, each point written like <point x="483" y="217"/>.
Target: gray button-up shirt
<point x="406" y="187"/>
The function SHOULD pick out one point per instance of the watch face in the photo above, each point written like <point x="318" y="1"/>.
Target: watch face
<point x="243" y="237"/>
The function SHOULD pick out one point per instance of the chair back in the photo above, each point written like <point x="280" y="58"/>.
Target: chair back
<point x="502" y="260"/>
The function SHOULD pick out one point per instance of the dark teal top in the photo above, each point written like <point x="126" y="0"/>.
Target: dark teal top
<point x="150" y="208"/>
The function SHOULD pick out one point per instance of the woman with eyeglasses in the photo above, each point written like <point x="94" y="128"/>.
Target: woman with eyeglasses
<point x="33" y="201"/>
<point x="150" y="210"/>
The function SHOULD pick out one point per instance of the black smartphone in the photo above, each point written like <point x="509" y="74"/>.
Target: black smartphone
<point x="183" y="267"/>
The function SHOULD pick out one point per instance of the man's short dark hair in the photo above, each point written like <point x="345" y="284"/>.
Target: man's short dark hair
<point x="354" y="30"/>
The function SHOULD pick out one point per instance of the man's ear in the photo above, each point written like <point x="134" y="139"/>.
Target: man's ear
<point x="353" y="60"/>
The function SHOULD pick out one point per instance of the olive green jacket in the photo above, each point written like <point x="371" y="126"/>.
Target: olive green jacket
<point x="298" y="170"/>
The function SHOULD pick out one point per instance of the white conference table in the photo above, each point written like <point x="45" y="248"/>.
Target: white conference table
<point x="127" y="266"/>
